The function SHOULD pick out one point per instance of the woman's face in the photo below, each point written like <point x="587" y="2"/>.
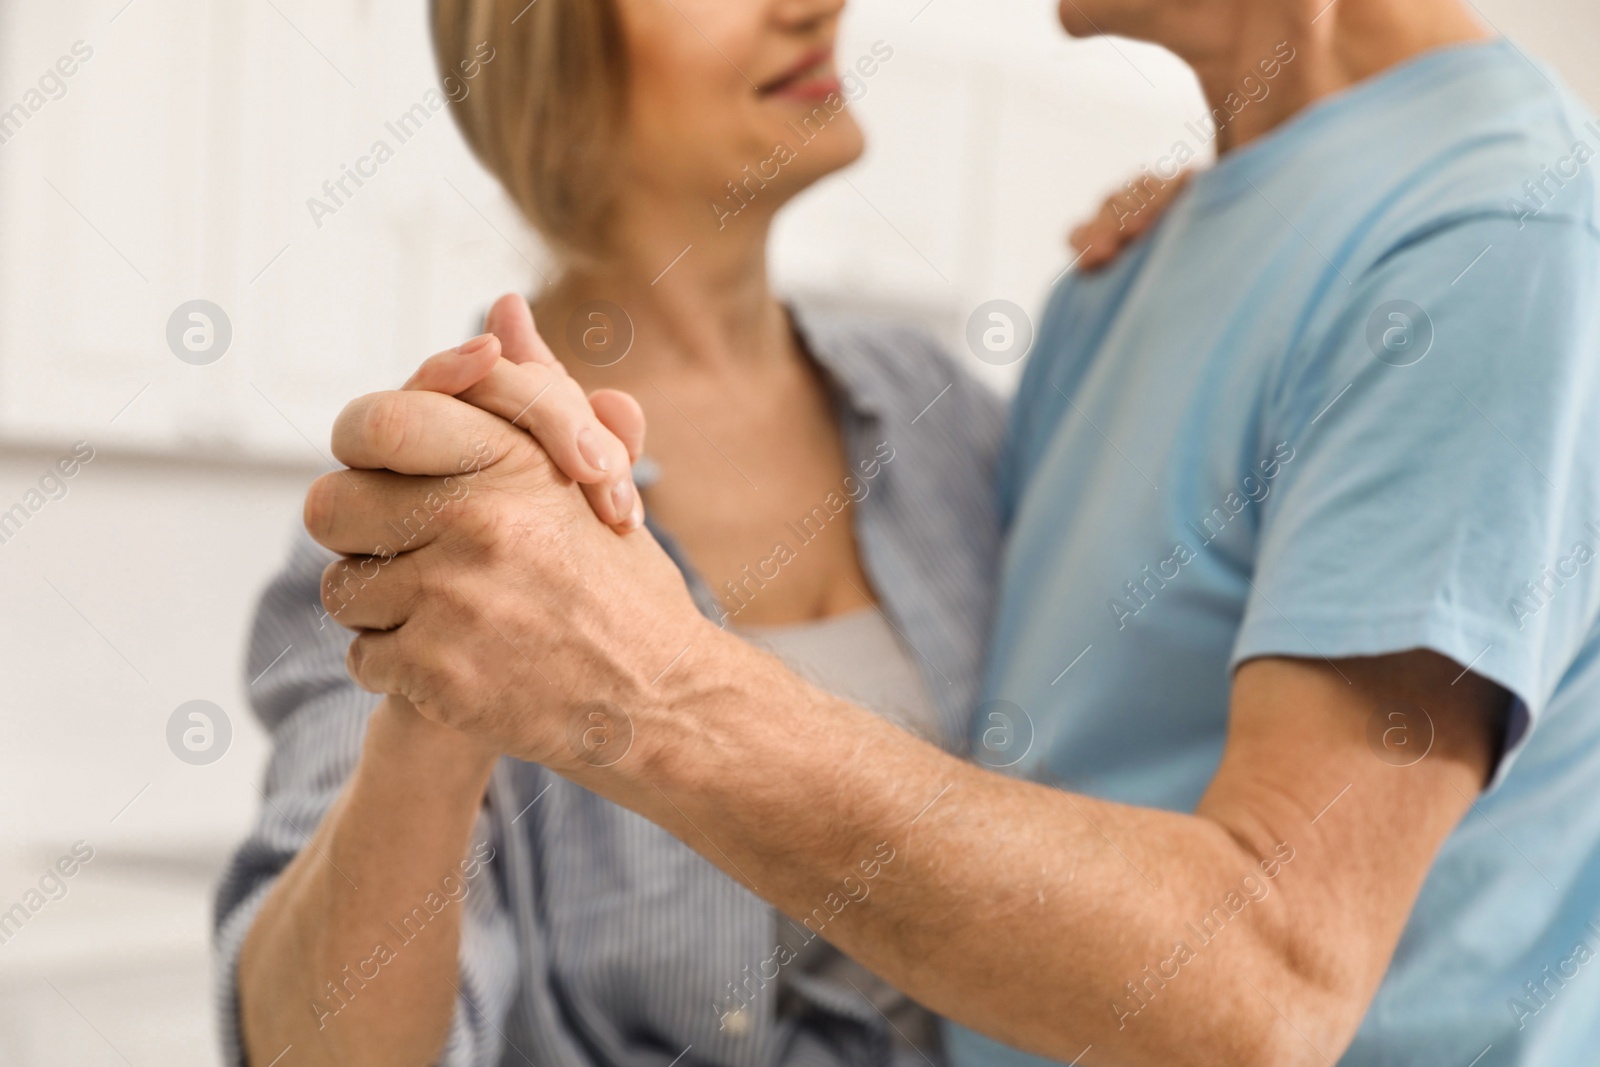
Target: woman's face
<point x="741" y="91"/>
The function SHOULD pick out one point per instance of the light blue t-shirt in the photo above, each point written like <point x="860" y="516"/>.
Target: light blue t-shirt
<point x="1343" y="401"/>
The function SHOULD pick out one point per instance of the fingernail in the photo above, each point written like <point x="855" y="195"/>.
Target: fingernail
<point x="477" y="344"/>
<point x="623" y="498"/>
<point x="589" y="449"/>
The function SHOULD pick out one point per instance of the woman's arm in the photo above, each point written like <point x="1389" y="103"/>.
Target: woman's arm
<point x="352" y="958"/>
<point x="338" y="753"/>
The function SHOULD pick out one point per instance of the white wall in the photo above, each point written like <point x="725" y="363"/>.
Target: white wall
<point x="183" y="153"/>
<point x="124" y="599"/>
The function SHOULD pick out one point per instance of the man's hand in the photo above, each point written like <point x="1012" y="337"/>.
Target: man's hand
<point x="480" y="584"/>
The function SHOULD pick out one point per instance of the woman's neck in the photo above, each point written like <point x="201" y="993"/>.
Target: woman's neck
<point x="695" y="297"/>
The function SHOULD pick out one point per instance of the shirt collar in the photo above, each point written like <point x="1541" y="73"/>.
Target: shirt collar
<point x="858" y="383"/>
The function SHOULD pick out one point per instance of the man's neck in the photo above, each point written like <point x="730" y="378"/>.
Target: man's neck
<point x="1333" y="47"/>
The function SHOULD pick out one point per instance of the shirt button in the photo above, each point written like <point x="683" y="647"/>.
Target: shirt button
<point x="737" y="1024"/>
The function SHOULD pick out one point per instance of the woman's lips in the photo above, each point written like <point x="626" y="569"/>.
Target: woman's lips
<point x="809" y="89"/>
<point x="811" y="79"/>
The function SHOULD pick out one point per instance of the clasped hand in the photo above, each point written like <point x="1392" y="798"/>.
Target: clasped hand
<point x="495" y="569"/>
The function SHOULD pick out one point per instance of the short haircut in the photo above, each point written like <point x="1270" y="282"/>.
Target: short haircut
<point x="548" y="113"/>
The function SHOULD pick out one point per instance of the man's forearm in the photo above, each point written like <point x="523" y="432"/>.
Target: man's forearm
<point x="1047" y="920"/>
<point x="311" y="974"/>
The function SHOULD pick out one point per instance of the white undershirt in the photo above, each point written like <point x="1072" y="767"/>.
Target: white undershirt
<point x="857" y="657"/>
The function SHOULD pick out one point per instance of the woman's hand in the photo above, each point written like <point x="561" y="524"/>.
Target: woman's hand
<point x="1124" y="218"/>
<point x="511" y="372"/>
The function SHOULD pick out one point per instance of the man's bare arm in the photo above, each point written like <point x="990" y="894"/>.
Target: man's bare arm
<point x="1254" y="931"/>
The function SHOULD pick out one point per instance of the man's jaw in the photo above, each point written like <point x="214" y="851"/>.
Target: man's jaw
<point x="1135" y="19"/>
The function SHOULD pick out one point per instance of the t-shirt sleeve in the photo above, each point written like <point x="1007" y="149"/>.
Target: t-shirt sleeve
<point x="1444" y="489"/>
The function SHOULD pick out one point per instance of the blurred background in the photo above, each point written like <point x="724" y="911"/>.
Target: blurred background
<point x="175" y="165"/>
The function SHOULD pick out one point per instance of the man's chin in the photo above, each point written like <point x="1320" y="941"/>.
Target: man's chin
<point x="1122" y="18"/>
<point x="1075" y="22"/>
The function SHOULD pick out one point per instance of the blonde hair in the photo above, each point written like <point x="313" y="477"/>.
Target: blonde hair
<point x="546" y="115"/>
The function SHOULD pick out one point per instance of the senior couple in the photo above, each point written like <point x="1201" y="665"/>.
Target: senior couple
<point x="1232" y="700"/>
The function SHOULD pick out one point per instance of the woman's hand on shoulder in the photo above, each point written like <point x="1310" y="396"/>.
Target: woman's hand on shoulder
<point x="1124" y="217"/>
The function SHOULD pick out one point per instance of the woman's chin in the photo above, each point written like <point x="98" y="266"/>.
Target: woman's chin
<point x="781" y="162"/>
<point x="794" y="155"/>
<point x="803" y="123"/>
<point x="844" y="145"/>
<point x="821" y="151"/>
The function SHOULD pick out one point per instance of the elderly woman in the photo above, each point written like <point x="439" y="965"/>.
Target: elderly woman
<point x="408" y="897"/>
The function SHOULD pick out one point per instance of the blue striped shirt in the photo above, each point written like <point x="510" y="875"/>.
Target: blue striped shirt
<point x="589" y="935"/>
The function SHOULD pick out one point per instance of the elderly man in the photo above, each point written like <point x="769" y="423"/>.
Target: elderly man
<point x="1291" y="736"/>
